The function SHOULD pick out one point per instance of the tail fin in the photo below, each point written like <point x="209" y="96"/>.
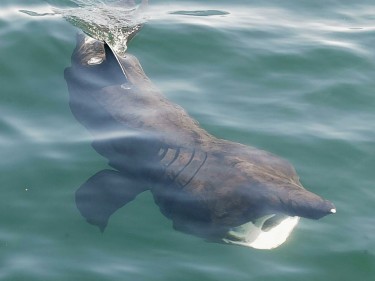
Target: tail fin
<point x="104" y="193"/>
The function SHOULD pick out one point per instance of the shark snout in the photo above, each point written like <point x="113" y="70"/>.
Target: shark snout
<point x="306" y="204"/>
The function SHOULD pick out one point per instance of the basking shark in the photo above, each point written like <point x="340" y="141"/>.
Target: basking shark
<point x="212" y="188"/>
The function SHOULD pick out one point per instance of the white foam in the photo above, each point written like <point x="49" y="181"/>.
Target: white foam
<point x="95" y="61"/>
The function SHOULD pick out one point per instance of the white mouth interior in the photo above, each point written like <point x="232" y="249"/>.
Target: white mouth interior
<point x="251" y="234"/>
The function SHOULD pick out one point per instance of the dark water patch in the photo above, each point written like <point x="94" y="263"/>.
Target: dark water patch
<point x="201" y="13"/>
<point x="36" y="14"/>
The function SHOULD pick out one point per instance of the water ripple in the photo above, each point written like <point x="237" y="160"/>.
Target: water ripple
<point x="292" y="77"/>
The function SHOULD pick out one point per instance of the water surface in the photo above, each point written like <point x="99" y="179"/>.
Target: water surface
<point x="293" y="77"/>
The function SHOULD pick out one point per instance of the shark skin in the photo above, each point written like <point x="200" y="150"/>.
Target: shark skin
<point x="209" y="187"/>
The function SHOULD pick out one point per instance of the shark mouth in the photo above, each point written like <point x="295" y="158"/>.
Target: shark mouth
<point x="265" y="233"/>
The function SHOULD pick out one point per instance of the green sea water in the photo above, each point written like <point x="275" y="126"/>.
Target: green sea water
<point x="295" y="78"/>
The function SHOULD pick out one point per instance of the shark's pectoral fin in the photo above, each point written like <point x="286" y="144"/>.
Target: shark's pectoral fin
<point x="104" y="193"/>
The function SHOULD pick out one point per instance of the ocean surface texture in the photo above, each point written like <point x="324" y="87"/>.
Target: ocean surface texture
<point x="293" y="77"/>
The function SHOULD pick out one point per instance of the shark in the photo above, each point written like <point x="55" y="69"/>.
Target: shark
<point x="212" y="188"/>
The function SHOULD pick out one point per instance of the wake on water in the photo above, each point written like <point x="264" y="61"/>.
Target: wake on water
<point x="112" y="21"/>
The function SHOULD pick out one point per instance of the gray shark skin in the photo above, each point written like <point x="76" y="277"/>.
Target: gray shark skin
<point x="205" y="185"/>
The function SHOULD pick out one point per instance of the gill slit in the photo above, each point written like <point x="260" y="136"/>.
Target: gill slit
<point x="196" y="172"/>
